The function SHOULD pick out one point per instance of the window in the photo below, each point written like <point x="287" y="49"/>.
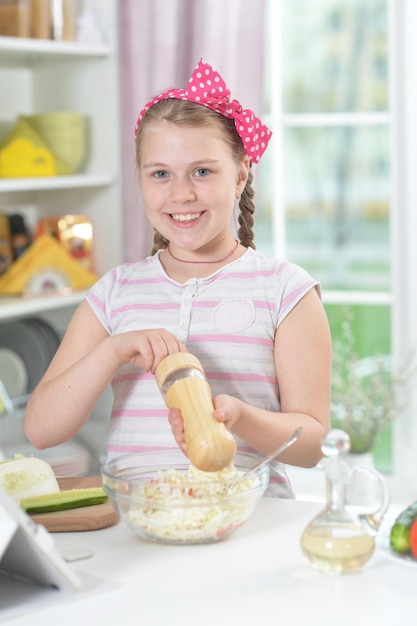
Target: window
<point x="336" y="192"/>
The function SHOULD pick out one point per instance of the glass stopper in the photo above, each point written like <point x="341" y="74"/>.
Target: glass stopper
<point x="335" y="443"/>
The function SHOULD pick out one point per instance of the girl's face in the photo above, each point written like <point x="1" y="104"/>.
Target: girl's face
<point x="189" y="182"/>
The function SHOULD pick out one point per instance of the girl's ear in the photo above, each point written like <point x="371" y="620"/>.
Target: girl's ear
<point x="242" y="175"/>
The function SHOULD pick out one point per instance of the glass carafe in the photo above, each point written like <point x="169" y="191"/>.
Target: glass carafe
<point x="341" y="538"/>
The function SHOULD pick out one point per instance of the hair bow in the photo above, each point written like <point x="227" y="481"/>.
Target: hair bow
<point x="207" y="87"/>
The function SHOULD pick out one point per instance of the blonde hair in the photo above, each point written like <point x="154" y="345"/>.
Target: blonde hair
<point x="189" y="114"/>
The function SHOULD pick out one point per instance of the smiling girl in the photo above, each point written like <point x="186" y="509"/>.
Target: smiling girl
<point x="256" y="324"/>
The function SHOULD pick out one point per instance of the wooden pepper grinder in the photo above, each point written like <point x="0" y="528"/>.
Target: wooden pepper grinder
<point x="183" y="384"/>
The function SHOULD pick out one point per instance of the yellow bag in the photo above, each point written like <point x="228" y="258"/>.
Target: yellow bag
<point x="23" y="153"/>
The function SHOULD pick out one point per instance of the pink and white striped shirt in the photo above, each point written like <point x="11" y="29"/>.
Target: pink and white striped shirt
<point x="227" y="320"/>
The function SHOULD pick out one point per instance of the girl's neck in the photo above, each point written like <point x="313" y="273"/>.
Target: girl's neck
<point x="182" y="270"/>
<point x="205" y="261"/>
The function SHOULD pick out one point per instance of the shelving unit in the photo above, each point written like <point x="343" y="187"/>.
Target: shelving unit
<point x="44" y="76"/>
<point x="39" y="76"/>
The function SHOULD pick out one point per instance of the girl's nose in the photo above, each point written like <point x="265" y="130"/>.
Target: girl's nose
<point x="182" y="190"/>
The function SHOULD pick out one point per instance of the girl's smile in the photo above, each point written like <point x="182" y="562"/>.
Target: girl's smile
<point x="185" y="218"/>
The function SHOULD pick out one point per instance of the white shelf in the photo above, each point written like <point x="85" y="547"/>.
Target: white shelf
<point x="12" y="308"/>
<point x="80" y="181"/>
<point x="43" y="75"/>
<point x="32" y="49"/>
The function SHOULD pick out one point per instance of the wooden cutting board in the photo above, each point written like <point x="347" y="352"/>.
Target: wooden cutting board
<point x="83" y="518"/>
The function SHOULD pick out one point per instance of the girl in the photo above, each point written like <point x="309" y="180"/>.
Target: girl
<point x="256" y="324"/>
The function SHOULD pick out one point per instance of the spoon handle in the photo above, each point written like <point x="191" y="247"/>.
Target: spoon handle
<point x="292" y="439"/>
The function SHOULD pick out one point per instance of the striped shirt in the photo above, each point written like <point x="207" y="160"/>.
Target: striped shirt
<point x="227" y="320"/>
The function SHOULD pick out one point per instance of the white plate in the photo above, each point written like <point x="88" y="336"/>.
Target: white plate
<point x="29" y="345"/>
<point x="13" y="373"/>
<point x="46" y="334"/>
<point x="382" y="542"/>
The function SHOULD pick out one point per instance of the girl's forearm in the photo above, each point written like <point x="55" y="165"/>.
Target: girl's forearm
<point x="265" y="430"/>
<point x="62" y="403"/>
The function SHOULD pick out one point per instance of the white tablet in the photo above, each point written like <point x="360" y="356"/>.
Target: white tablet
<point x="28" y="552"/>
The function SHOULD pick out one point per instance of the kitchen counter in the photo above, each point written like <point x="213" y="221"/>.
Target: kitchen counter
<point x="257" y="574"/>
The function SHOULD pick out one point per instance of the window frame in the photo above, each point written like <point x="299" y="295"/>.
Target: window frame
<point x="401" y="118"/>
<point x="403" y="94"/>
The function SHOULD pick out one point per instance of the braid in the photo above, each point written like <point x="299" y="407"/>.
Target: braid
<point x="159" y="242"/>
<point x="245" y="219"/>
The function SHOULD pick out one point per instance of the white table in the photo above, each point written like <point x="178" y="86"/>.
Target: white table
<point x="255" y="575"/>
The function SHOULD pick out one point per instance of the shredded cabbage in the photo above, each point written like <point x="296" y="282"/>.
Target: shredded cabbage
<point x="195" y="507"/>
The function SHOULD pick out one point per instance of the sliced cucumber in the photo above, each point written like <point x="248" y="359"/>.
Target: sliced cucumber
<point x="63" y="500"/>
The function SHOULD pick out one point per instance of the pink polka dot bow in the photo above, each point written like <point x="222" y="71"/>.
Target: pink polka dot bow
<point x="207" y="87"/>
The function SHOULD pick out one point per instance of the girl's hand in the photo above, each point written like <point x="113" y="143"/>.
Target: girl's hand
<point x="145" y="348"/>
<point x="177" y="427"/>
<point x="226" y="410"/>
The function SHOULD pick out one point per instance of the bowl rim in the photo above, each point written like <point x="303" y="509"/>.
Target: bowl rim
<point x="179" y="460"/>
<point x="110" y="478"/>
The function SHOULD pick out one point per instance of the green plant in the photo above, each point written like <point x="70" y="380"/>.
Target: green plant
<point x="367" y="393"/>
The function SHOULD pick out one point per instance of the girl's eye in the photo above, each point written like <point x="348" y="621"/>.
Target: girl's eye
<point x="202" y="171"/>
<point x="160" y="174"/>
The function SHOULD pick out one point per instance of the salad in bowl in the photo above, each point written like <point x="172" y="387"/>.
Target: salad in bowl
<point x="162" y="498"/>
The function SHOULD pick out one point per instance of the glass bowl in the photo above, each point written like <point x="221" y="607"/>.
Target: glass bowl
<point x="161" y="498"/>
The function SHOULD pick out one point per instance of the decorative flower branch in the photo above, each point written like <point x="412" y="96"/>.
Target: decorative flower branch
<point x="367" y="394"/>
